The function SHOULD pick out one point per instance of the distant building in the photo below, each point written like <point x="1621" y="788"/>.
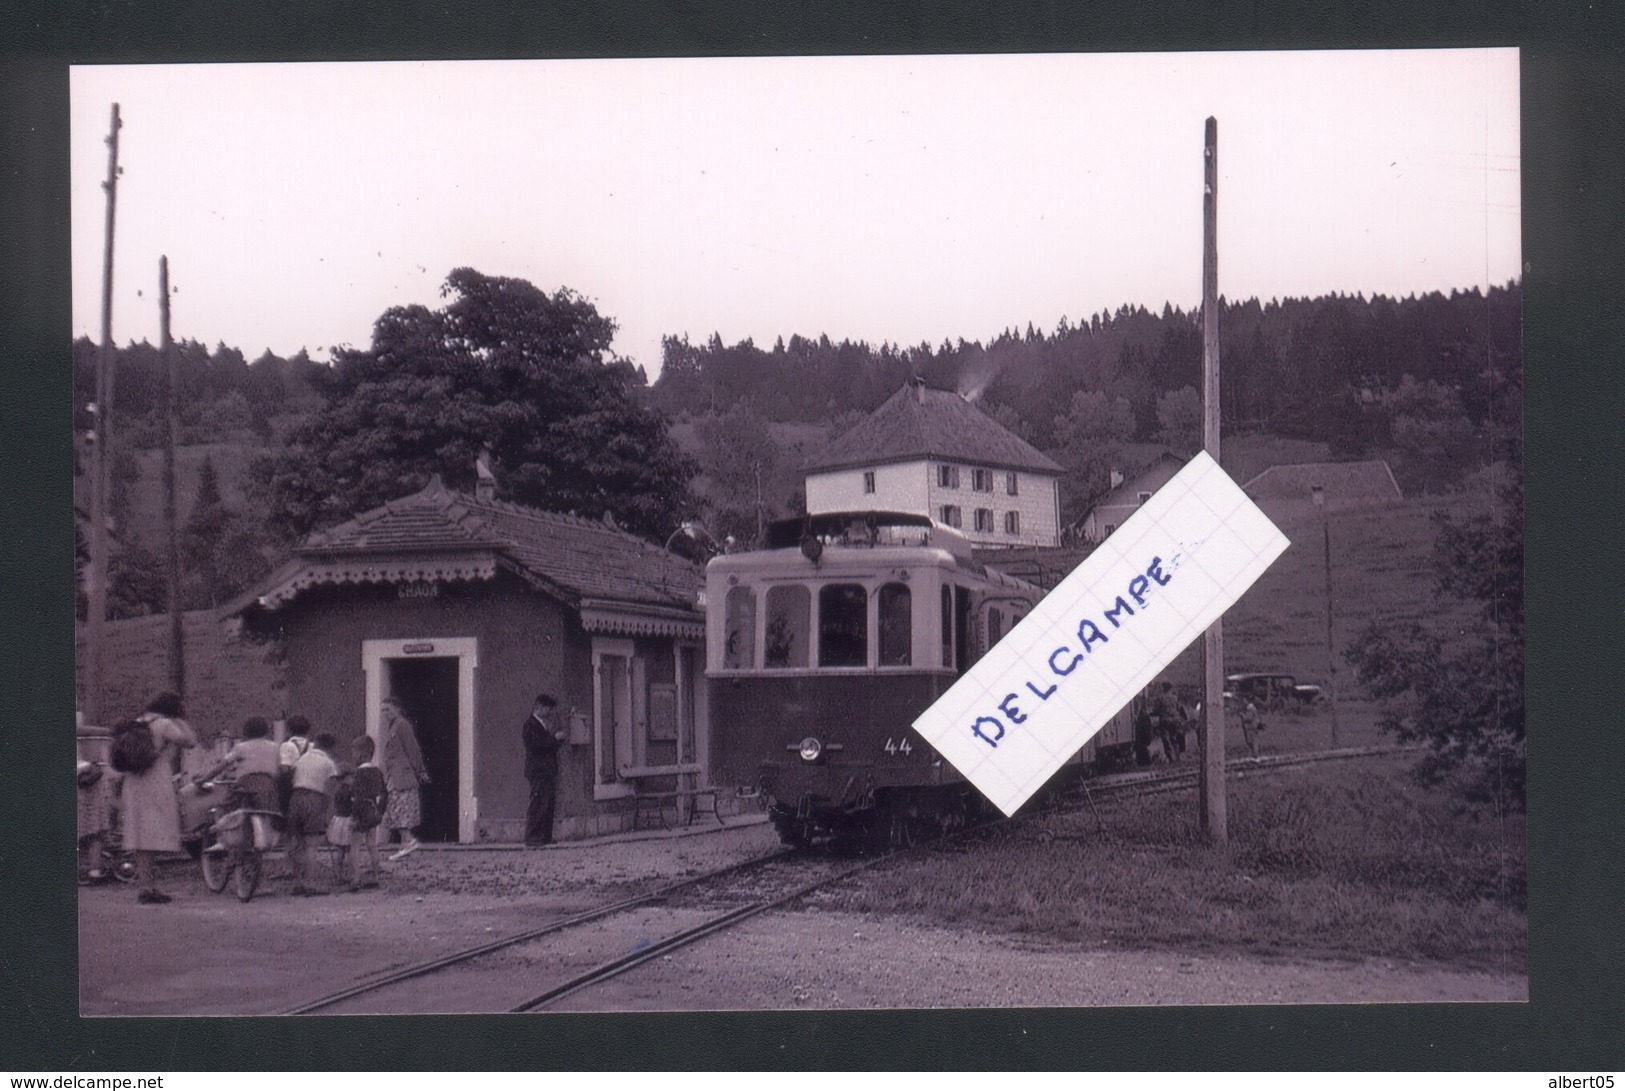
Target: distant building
<point x="1284" y="491"/>
<point x="464" y="608"/>
<point x="933" y="453"/>
<point x="1127" y="493"/>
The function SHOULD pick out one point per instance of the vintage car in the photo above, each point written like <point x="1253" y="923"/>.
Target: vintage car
<point x="1268" y="690"/>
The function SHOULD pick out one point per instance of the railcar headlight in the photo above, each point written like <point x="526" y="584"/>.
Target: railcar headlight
<point x="811" y="748"/>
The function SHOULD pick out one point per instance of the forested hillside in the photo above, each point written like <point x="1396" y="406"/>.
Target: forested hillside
<point x="1432" y="383"/>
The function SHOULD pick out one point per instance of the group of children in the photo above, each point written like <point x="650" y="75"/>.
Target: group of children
<point x="318" y="797"/>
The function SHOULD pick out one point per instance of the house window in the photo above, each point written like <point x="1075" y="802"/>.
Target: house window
<point x="1010" y="484"/>
<point x="947" y="477"/>
<point x="1012" y="522"/>
<point x="1144" y="496"/>
<point x="789" y="615"/>
<point x="984" y="520"/>
<point x="1110" y="527"/>
<point x="951" y="516"/>
<point x="739" y="633"/>
<point x="868" y="481"/>
<point x="981" y="480"/>
<point x="896" y="626"/>
<point x="843" y="625"/>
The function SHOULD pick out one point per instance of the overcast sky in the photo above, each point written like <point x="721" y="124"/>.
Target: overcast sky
<point x="884" y="199"/>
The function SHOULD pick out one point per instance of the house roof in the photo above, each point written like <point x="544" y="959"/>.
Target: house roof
<point x="1371" y="480"/>
<point x="1131" y="483"/>
<point x="918" y="422"/>
<point x="439" y="533"/>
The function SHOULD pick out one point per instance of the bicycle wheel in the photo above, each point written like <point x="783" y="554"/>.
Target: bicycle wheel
<point x="248" y="875"/>
<point x="217" y="867"/>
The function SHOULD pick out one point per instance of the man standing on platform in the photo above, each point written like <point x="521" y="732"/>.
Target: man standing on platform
<point x="542" y="735"/>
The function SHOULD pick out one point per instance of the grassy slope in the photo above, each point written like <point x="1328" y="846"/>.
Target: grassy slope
<point x="1343" y="860"/>
<point x="227" y="681"/>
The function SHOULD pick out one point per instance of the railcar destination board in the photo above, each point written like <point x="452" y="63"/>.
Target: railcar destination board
<point x="1105" y="632"/>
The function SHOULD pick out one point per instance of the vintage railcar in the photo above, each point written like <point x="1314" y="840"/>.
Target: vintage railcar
<point x="822" y="648"/>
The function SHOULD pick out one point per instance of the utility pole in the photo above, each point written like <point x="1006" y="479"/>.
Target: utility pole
<point x="1213" y="818"/>
<point x="1331" y="648"/>
<point x="101" y="457"/>
<point x="177" y="638"/>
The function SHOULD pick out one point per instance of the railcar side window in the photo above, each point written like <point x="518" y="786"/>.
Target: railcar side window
<point x="739" y="647"/>
<point x="789" y="615"/>
<point x="843" y="625"/>
<point x="947" y="627"/>
<point x="995" y="625"/>
<point x="896" y="625"/>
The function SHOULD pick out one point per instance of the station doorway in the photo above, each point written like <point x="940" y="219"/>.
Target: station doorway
<point x="427" y="690"/>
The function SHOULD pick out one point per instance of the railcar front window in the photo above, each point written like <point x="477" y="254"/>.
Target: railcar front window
<point x="843" y="625"/>
<point x="739" y="634"/>
<point x="896" y="626"/>
<point x="789" y="616"/>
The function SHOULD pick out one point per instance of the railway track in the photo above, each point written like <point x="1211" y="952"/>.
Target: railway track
<point x="763" y="883"/>
<point x="735" y="893"/>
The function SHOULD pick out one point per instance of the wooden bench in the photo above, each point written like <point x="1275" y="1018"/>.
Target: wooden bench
<point x="646" y="796"/>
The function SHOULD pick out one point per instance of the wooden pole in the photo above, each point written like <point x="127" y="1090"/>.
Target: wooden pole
<point x="101" y="459"/>
<point x="1214" y="818"/>
<point x="1331" y="648"/>
<point x="177" y="637"/>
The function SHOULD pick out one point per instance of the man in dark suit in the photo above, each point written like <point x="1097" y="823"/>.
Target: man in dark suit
<point x="542" y="735"/>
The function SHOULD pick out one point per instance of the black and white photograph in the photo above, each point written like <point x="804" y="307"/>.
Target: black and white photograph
<point x="523" y="507"/>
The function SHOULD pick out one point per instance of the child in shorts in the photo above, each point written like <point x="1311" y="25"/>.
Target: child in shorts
<point x="368" y="799"/>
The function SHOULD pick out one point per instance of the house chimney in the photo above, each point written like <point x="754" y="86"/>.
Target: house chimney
<point x="1116" y="478"/>
<point x="485" y="482"/>
<point x="918" y="383"/>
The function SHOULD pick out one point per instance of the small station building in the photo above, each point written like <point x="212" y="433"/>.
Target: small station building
<point x="464" y="608"/>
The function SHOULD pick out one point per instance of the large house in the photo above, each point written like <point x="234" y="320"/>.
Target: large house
<point x="931" y="452"/>
<point x="464" y="608"/>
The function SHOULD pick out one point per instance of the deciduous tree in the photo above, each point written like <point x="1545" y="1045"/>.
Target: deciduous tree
<point x="502" y="365"/>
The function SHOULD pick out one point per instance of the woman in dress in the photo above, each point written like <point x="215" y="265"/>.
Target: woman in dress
<point x="151" y="815"/>
<point x="404" y="774"/>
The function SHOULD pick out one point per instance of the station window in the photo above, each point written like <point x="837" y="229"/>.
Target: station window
<point x="981" y="480"/>
<point x="1012" y="522"/>
<point x="843" y="625"/>
<point x="984" y="520"/>
<point x="1010" y="484"/>
<point x="896" y="625"/>
<point x="789" y="615"/>
<point x="947" y="476"/>
<point x="868" y="481"/>
<point x="951" y="516"/>
<point x="739" y="631"/>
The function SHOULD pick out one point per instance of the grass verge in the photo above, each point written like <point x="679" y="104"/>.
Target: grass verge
<point x="1347" y="860"/>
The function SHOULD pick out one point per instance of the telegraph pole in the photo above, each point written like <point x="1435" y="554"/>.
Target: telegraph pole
<point x="1214" y="819"/>
<point x="1331" y="648"/>
<point x="177" y="638"/>
<point x="101" y="457"/>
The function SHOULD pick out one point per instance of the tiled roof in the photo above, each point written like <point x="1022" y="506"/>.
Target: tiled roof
<point x="580" y="558"/>
<point x="918" y="422"/>
<point x="1345" y="481"/>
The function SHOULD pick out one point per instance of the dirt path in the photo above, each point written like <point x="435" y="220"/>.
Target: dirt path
<point x="209" y="954"/>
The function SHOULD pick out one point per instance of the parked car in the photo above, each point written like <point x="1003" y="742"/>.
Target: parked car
<point x="1268" y="690"/>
